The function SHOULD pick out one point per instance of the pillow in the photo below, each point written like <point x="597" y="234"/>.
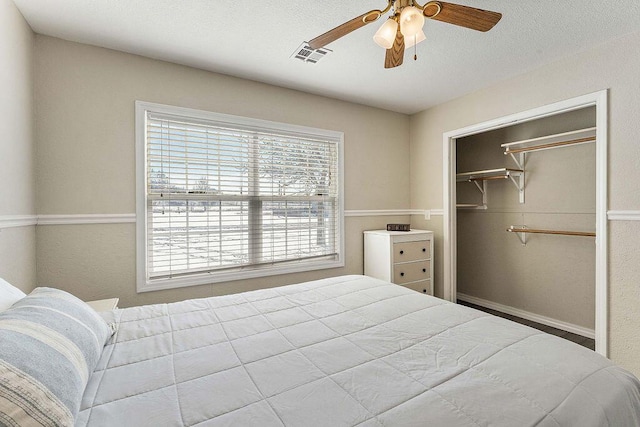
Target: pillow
<point x="51" y="343"/>
<point x="9" y="295"/>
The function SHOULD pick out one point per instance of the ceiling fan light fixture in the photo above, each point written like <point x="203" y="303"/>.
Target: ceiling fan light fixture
<point x="411" y="21"/>
<point x="404" y="28"/>
<point x="386" y="34"/>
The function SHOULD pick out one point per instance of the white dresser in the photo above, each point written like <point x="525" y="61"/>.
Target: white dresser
<point x="402" y="257"/>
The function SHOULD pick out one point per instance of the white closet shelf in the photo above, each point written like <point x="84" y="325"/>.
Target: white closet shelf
<point x="491" y="174"/>
<point x="470" y="206"/>
<point x="580" y="136"/>
<point x="488" y="174"/>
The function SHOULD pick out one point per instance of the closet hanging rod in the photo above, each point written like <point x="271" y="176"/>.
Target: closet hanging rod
<point x="514" y="229"/>
<point x="509" y="150"/>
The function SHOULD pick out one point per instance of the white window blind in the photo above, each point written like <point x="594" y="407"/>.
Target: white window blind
<point x="225" y="197"/>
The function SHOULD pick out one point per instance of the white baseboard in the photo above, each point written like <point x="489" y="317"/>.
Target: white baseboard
<point x="565" y="326"/>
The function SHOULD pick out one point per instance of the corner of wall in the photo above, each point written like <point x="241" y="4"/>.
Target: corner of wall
<point x="17" y="150"/>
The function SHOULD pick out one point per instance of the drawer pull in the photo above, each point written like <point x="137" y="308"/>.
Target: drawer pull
<point x="401" y="252"/>
<point x="424" y="270"/>
<point x="424" y="249"/>
<point x="424" y="291"/>
<point x="402" y="274"/>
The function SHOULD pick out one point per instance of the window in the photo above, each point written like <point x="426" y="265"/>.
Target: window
<point x="223" y="198"/>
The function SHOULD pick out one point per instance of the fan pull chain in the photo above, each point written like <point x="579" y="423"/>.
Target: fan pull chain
<point x="415" y="47"/>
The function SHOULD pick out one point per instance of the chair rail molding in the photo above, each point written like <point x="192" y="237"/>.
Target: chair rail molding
<point x="623" y="215"/>
<point x="12" y="221"/>
<point x="79" y="219"/>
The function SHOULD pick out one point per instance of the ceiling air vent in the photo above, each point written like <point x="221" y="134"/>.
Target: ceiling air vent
<point x="306" y="54"/>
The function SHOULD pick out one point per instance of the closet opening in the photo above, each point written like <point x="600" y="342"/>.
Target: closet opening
<point x="525" y="217"/>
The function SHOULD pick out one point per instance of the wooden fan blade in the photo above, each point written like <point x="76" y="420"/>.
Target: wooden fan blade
<point x="464" y="16"/>
<point x="344" y="29"/>
<point x="395" y="55"/>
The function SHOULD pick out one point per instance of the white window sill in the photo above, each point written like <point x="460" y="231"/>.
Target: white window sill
<point x="228" y="276"/>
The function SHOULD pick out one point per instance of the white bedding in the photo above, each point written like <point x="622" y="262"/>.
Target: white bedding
<point x="346" y="351"/>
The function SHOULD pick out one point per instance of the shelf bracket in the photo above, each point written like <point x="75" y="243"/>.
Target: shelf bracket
<point x="521" y="236"/>
<point x="483" y="190"/>
<point x="519" y="183"/>
<point x="521" y="161"/>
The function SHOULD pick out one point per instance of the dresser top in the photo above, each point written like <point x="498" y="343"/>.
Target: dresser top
<point x="398" y="233"/>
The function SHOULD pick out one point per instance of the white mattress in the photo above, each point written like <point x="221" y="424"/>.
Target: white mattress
<point x="346" y="351"/>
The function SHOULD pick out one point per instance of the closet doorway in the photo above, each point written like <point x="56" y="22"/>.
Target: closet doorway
<point x="590" y="110"/>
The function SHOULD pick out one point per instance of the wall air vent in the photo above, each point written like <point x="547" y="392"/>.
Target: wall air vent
<point x="306" y="54"/>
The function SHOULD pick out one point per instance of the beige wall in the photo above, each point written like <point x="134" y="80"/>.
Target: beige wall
<point x="610" y="66"/>
<point x="560" y="189"/>
<point x="17" y="194"/>
<point x="85" y="157"/>
<point x="86" y="161"/>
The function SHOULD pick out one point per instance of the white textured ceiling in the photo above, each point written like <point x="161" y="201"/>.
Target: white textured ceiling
<point x="255" y="40"/>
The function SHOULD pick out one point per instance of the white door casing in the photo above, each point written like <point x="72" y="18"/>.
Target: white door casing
<point x="597" y="99"/>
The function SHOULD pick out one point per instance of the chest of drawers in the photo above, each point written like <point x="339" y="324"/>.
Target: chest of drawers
<point x="401" y="257"/>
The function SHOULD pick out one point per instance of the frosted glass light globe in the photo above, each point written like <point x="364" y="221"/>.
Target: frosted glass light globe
<point x="386" y="35"/>
<point x="411" y="21"/>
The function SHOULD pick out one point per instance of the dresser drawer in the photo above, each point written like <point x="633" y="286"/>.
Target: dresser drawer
<point x="423" y="287"/>
<point x="411" y="251"/>
<point x="411" y="272"/>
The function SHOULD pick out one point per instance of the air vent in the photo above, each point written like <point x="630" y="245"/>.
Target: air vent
<point x="306" y="54"/>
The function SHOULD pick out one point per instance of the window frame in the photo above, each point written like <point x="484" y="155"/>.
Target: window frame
<point x="146" y="284"/>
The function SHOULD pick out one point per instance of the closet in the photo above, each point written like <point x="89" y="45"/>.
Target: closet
<point x="526" y="215"/>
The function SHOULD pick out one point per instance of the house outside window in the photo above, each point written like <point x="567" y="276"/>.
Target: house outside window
<point x="223" y="198"/>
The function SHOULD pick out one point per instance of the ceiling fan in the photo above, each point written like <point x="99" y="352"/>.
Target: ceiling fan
<point x="405" y="23"/>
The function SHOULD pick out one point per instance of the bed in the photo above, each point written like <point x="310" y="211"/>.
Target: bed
<point x="345" y="351"/>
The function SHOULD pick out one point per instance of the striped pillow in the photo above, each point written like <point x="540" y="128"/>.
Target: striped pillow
<point x="51" y="343"/>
